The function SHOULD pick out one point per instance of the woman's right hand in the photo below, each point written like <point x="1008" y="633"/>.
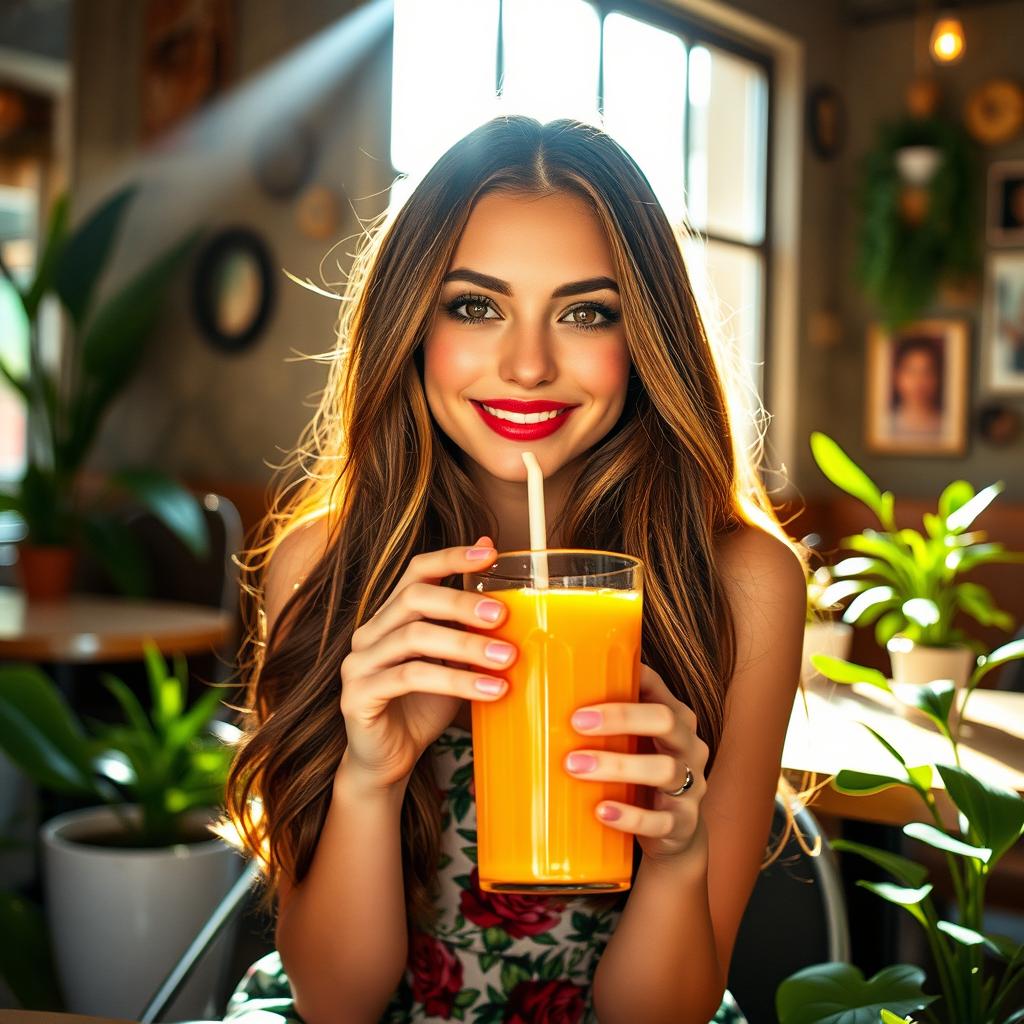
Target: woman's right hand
<point x="399" y="690"/>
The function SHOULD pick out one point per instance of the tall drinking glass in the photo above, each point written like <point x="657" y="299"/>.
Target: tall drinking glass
<point x="579" y="645"/>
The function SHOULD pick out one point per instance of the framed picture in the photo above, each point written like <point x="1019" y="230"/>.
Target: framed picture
<point x="1002" y="323"/>
<point x="917" y="388"/>
<point x="1005" y="224"/>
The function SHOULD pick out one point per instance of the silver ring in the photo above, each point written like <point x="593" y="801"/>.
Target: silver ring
<point x="687" y="783"/>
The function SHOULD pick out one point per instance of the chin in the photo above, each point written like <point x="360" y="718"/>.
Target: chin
<point x="505" y="462"/>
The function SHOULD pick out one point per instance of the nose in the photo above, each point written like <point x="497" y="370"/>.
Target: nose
<point x="526" y="358"/>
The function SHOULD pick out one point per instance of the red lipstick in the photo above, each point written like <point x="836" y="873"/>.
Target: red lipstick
<point x="514" y="431"/>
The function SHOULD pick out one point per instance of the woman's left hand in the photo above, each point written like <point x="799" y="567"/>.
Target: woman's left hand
<point x="667" y="827"/>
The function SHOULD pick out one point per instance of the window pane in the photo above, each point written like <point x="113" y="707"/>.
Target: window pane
<point x="729" y="282"/>
<point x="551" y="51"/>
<point x="645" y="102"/>
<point x="444" y="59"/>
<point x="728" y="143"/>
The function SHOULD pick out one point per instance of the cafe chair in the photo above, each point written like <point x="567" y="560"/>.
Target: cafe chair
<point x="796" y="917"/>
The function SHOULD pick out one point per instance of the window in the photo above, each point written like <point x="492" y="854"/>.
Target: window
<point x="692" y="108"/>
<point x="17" y="249"/>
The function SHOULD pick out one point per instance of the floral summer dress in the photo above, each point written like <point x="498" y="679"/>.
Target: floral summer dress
<point x="489" y="958"/>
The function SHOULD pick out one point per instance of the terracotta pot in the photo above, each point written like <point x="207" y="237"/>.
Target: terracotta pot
<point x="916" y="664"/>
<point x="825" y="637"/>
<point x="45" y="571"/>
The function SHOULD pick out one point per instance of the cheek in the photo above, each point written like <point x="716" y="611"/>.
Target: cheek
<point x="602" y="370"/>
<point x="449" y="366"/>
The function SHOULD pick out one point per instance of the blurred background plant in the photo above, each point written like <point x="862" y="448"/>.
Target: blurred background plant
<point x="66" y="402"/>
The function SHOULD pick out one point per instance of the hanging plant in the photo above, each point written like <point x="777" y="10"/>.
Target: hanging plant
<point x="918" y="215"/>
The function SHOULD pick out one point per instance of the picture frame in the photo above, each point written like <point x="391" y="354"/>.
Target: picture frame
<point x="1002" y="323"/>
<point x="1004" y="217"/>
<point x="233" y="289"/>
<point x="917" y="388"/>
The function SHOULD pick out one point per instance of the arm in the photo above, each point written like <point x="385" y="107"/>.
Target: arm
<point x="668" y="959"/>
<point x="341" y="932"/>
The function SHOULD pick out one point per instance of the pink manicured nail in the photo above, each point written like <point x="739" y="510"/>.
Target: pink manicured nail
<point x="489" y="611"/>
<point x="608" y="813"/>
<point x="496" y="650"/>
<point x="492" y="687"/>
<point x="581" y="762"/>
<point x="477" y="553"/>
<point x="586" y="719"/>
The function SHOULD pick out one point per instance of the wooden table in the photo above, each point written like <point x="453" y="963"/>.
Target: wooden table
<point x="828" y="737"/>
<point x="87" y="628"/>
<point x="47" y="1017"/>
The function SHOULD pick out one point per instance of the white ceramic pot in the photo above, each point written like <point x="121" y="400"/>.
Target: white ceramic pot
<point x="917" y="664"/>
<point x="120" y="918"/>
<point x="826" y="637"/>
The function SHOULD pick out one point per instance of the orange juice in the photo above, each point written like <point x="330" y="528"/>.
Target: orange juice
<point x="536" y="826"/>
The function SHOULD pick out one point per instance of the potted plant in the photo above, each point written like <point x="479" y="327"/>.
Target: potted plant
<point x="908" y="584"/>
<point x="127" y="883"/>
<point x="977" y="972"/>
<point x="65" y="406"/>
<point x="824" y="632"/>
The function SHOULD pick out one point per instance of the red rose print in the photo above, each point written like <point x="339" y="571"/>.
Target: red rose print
<point x="519" y="916"/>
<point x="436" y="975"/>
<point x="545" y="1002"/>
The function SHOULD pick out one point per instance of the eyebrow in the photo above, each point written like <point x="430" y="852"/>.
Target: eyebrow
<point x="495" y="284"/>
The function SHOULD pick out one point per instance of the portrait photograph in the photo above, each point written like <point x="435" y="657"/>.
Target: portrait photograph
<point x="917" y="388"/>
<point x="1006" y="203"/>
<point x="1002" y="323"/>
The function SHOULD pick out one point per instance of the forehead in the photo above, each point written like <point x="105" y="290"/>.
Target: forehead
<point x="524" y="238"/>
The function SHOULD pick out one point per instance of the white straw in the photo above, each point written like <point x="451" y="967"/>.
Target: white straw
<point x="538" y="525"/>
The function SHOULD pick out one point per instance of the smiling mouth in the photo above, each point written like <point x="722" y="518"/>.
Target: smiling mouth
<point x="523" y="421"/>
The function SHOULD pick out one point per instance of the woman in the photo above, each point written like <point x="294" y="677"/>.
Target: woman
<point x="917" y="387"/>
<point x="532" y="263"/>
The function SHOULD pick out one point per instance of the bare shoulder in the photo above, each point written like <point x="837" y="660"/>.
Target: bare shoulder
<point x="766" y="587"/>
<point x="750" y="558"/>
<point x="290" y="563"/>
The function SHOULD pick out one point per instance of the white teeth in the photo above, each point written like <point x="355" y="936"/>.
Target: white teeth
<point x="523" y="417"/>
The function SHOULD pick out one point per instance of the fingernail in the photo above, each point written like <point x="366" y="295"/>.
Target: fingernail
<point x="492" y="687"/>
<point x="581" y="763"/>
<point x="498" y="651"/>
<point x="478" y="553"/>
<point x="488" y="610"/>
<point x="586" y="719"/>
<point x="608" y="813"/>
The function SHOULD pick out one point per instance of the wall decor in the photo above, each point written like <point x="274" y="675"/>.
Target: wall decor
<point x="916" y="389"/>
<point x="233" y="289"/>
<point x="998" y="424"/>
<point x="284" y="158"/>
<point x="994" y="111"/>
<point x="826" y="121"/>
<point x="1005" y="215"/>
<point x="1002" y="323"/>
<point x="187" y="57"/>
<point x="318" y="212"/>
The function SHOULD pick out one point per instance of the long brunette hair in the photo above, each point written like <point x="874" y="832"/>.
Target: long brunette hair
<point x="664" y="485"/>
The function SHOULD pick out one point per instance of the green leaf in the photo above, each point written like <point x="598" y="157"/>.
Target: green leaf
<point x="467" y="997"/>
<point x="39" y="732"/>
<point x="966" y="936"/>
<point x="20" y="384"/>
<point x="903" y="869"/>
<point x="842" y="471"/>
<point x="894" y="753"/>
<point x="26" y="959"/>
<point x="55" y="239"/>
<point x="512" y="972"/>
<point x="175" y="506"/>
<point x="902" y="896"/>
<point x="85" y="254"/>
<point x="935" y="526"/>
<point x="866" y="607"/>
<point x="961" y="519"/>
<point x="496" y="939"/>
<point x="1012" y="651"/>
<point x="932" y="836"/>
<point x="836" y="993"/>
<point x="839" y="591"/>
<point x="129" y="703"/>
<point x="119" y="552"/>
<point x="921" y="610"/>
<point x="934" y="699"/>
<point x="976" y="601"/>
<point x="888" y="1017"/>
<point x="183" y="729"/>
<point x="982" y="554"/>
<point x="955" y="496"/>
<point x="888" y="626"/>
<point x="862" y="783"/>
<point x="921" y="776"/>
<point x="841" y="671"/>
<point x="165" y="690"/>
<point x="995" y="815"/>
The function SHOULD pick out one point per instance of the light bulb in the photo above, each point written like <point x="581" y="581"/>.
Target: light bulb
<point x="947" y="42"/>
